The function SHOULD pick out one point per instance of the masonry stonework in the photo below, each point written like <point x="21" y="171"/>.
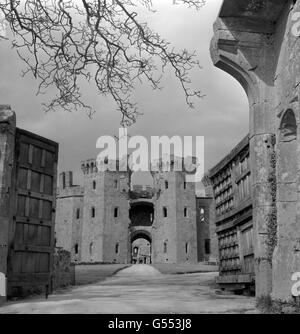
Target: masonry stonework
<point x="205" y="240"/>
<point x="256" y="44"/>
<point x="103" y="220"/>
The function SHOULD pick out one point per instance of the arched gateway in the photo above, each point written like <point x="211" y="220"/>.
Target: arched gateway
<point x="126" y="222"/>
<point x="141" y="247"/>
<point x="141" y="216"/>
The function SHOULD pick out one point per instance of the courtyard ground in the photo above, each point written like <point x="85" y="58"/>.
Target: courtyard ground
<point x="140" y="289"/>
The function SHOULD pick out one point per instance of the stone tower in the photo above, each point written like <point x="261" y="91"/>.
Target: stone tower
<point x="68" y="226"/>
<point x="110" y="220"/>
<point x="174" y="228"/>
<point x="105" y="215"/>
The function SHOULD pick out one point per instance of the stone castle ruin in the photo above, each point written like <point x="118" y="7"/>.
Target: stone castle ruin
<point x="109" y="220"/>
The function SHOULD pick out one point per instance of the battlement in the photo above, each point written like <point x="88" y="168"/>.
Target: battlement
<point x="66" y="180"/>
<point x="139" y="191"/>
<point x="166" y="164"/>
<point x="90" y="166"/>
<point x="175" y="163"/>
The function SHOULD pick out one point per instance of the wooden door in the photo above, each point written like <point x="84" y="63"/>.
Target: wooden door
<point x="32" y="233"/>
<point x="247" y="249"/>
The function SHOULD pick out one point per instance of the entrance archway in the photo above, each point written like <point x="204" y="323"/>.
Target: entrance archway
<point x="141" y="247"/>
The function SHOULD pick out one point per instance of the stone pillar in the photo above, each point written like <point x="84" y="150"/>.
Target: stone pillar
<point x="263" y="173"/>
<point x="7" y="147"/>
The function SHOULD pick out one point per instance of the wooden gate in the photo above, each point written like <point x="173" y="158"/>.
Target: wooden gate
<point x="30" y="257"/>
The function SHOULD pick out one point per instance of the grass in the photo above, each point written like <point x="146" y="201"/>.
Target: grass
<point x="93" y="273"/>
<point x="88" y="274"/>
<point x="169" y="268"/>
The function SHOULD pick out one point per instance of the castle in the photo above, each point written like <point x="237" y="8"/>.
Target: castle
<point x="109" y="220"/>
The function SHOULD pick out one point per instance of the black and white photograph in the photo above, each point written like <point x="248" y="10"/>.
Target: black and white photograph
<point x="149" y="160"/>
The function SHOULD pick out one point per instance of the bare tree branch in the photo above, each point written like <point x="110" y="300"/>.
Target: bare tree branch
<point x="63" y="42"/>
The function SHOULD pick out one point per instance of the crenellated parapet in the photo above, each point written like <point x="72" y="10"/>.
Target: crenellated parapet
<point x="174" y="163"/>
<point x="93" y="166"/>
<point x="89" y="166"/>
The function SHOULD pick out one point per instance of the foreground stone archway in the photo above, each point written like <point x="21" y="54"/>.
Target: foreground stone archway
<point x="254" y="44"/>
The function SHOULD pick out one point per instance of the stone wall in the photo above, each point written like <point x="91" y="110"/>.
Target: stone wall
<point x="116" y="229"/>
<point x="204" y="224"/>
<point x="93" y="227"/>
<point x="286" y="256"/>
<point x="63" y="269"/>
<point x="164" y="228"/>
<point x="104" y="231"/>
<point x="186" y="226"/>
<point x="104" y="236"/>
<point x="69" y="213"/>
<point x="209" y="192"/>
<point x="176" y="230"/>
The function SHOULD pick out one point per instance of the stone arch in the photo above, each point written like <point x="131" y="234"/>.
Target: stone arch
<point x="144" y="253"/>
<point x="141" y="234"/>
<point x="288" y="126"/>
<point x="239" y="71"/>
<point x="244" y="53"/>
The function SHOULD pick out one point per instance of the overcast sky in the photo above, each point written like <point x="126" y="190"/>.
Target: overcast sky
<point x="221" y="117"/>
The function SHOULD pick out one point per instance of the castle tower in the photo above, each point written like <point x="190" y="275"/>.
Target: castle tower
<point x="68" y="221"/>
<point x="174" y="229"/>
<point x="105" y="215"/>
